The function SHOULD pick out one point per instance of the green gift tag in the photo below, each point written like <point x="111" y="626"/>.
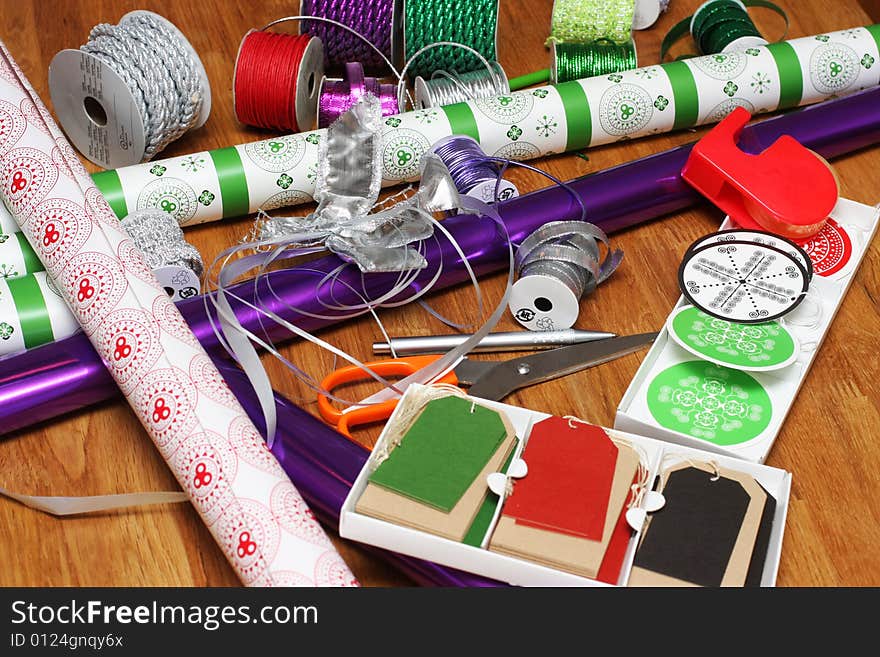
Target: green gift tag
<point x="442" y="452"/>
<point x="755" y="347"/>
<point x="713" y="403"/>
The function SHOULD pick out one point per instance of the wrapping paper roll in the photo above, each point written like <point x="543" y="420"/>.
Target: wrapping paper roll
<point x="32" y="313"/>
<point x="522" y="125"/>
<point x="244" y="497"/>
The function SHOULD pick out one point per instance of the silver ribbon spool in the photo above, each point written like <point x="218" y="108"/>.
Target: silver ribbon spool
<point x="558" y="265"/>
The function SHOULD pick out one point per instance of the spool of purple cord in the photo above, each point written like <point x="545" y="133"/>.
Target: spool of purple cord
<point x="375" y="20"/>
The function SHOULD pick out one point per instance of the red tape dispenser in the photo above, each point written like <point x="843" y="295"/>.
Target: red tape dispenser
<point x="788" y="189"/>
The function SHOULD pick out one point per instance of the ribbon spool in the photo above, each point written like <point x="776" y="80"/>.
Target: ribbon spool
<point x="473" y="172"/>
<point x="575" y="61"/>
<point x="130" y="91"/>
<point x="721" y="26"/>
<point x="276" y="80"/>
<point x="558" y="265"/>
<point x="379" y="21"/>
<point x="586" y="21"/>
<point x="647" y="12"/>
<point x="176" y="263"/>
<point x="473" y="23"/>
<point x="337" y="96"/>
<point x="445" y="88"/>
<point x="32" y="313"/>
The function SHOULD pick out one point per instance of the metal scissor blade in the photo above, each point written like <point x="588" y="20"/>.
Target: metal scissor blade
<point x="510" y="375"/>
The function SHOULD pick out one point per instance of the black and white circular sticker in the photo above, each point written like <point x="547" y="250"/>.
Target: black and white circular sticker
<point x="743" y="281"/>
<point x="758" y="237"/>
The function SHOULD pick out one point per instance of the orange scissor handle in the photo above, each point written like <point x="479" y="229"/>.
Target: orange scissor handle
<point x="372" y="412"/>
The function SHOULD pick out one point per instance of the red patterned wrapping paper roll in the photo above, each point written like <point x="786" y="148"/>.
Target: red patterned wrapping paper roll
<point x="255" y="514"/>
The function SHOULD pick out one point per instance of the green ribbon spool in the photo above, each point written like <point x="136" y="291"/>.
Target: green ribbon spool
<point x="588" y="21"/>
<point x="574" y="61"/>
<point x="719" y="23"/>
<point x="473" y="23"/>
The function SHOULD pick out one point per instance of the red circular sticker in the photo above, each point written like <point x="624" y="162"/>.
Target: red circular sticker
<point x="830" y="249"/>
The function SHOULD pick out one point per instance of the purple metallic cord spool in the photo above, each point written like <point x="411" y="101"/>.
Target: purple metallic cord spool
<point x="339" y="95"/>
<point x="68" y="375"/>
<point x="376" y="20"/>
<point x="36" y="385"/>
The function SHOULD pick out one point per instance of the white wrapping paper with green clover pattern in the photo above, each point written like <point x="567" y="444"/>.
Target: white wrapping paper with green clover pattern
<point x="278" y="172"/>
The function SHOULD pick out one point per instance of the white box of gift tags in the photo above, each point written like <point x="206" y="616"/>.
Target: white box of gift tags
<point x="481" y="561"/>
<point x="825" y="293"/>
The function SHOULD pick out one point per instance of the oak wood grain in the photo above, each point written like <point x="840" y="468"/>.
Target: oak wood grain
<point x="829" y="441"/>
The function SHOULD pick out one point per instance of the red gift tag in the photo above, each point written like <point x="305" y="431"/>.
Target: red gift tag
<point x="571" y="470"/>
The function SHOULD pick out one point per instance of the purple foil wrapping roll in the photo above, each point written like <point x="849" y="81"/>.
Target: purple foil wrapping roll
<point x="68" y="375"/>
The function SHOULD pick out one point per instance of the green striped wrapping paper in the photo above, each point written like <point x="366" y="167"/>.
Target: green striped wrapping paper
<point x="522" y="125"/>
<point x="32" y="313"/>
<point x="17" y="256"/>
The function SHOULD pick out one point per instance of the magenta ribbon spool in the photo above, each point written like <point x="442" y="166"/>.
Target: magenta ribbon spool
<point x="339" y="95"/>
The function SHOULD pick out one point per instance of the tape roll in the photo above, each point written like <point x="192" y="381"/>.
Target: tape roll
<point x="32" y="313"/>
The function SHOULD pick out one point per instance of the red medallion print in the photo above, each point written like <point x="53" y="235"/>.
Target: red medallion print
<point x="165" y="403"/>
<point x="206" y="465"/>
<point x="251" y="446"/>
<point x="171" y="322"/>
<point x="96" y="283"/>
<point x="129" y="343"/>
<point x="26" y="178"/>
<point x="34" y="115"/>
<point x="210" y="383"/>
<point x="830" y="249"/>
<point x="12" y="126"/>
<point x="59" y="228"/>
<point x="250" y="538"/>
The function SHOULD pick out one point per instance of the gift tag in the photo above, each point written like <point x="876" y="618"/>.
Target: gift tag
<point x="754" y="347"/>
<point x="758" y="237"/>
<point x="571" y="470"/>
<point x="742" y="281"/>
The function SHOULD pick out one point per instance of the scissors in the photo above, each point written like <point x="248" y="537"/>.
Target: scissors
<point x="492" y="380"/>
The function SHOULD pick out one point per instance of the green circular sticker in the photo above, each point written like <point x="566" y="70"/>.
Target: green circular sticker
<point x="717" y="404"/>
<point x="756" y="347"/>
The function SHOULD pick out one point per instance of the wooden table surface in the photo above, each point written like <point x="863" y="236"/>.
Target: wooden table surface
<point x="829" y="441"/>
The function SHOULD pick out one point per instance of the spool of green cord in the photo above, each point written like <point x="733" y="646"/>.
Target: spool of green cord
<point x="588" y="21"/>
<point x="473" y="23"/>
<point x="722" y="26"/>
<point x="574" y="61"/>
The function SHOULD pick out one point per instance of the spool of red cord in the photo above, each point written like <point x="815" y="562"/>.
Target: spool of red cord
<point x="276" y="80"/>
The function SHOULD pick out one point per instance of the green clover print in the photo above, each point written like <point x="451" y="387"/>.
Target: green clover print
<point x="514" y="133"/>
<point x="6" y="331"/>
<point x="393" y="121"/>
<point x="313" y="138"/>
<point x="867" y="61"/>
<point x="661" y="103"/>
<point x="206" y="197"/>
<point x="284" y="181"/>
<point x="158" y="170"/>
<point x="730" y="88"/>
<point x="540" y="93"/>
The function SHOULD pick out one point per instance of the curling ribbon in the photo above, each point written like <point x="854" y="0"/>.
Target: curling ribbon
<point x="202" y="432"/>
<point x="339" y="95"/>
<point x="473" y="23"/>
<point x="157" y="83"/>
<point x="374" y="20"/>
<point x="237" y="180"/>
<point x="557" y="265"/>
<point x="276" y="79"/>
<point x="472" y="171"/>
<point x="722" y="26"/>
